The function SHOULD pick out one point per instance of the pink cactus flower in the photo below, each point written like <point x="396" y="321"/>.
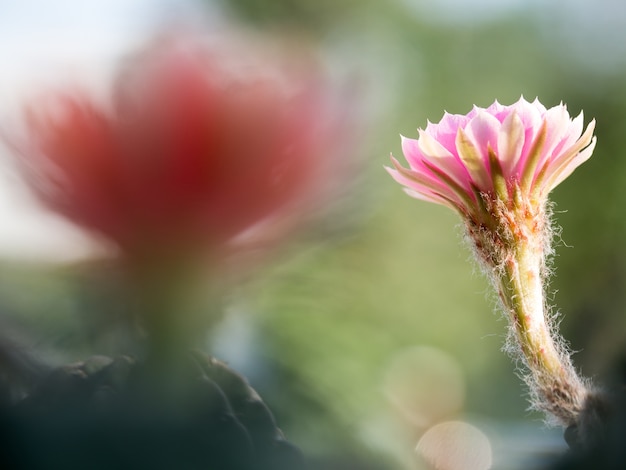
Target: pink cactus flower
<point x="494" y="151"/>
<point x="198" y="143"/>
<point x="495" y="167"/>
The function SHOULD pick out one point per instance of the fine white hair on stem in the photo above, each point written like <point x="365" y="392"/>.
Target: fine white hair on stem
<point x="514" y="250"/>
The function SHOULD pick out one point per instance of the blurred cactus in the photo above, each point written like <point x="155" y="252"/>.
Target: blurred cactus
<point x="108" y="413"/>
<point x="203" y="149"/>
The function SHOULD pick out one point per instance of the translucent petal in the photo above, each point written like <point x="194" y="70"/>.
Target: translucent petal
<point x="445" y="131"/>
<point x="417" y="180"/>
<point x="557" y="164"/>
<point x="575" y="129"/>
<point x="574" y="163"/>
<point x="556" y="174"/>
<point x="436" y="153"/>
<point x="473" y="161"/>
<point x="483" y="130"/>
<point x="510" y="143"/>
<point x="482" y="133"/>
<point x="431" y="197"/>
<point x="558" y="123"/>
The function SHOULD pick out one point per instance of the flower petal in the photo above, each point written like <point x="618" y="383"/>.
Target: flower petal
<point x="420" y="183"/>
<point x="563" y="172"/>
<point x="557" y="121"/>
<point x="481" y="133"/>
<point x="442" y="158"/>
<point x="445" y="131"/>
<point x="483" y="130"/>
<point x="432" y="197"/>
<point x="575" y="129"/>
<point x="561" y="167"/>
<point x="473" y="161"/>
<point x="510" y="143"/>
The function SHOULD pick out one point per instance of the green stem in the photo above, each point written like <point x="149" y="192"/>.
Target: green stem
<point x="556" y="387"/>
<point x="167" y="307"/>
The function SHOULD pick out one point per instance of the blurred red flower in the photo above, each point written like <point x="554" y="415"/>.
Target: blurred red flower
<point x="198" y="144"/>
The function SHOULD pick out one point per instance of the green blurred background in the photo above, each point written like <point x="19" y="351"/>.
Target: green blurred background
<point x="346" y="317"/>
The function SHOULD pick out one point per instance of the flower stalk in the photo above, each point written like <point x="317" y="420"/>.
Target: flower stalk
<point x="515" y="255"/>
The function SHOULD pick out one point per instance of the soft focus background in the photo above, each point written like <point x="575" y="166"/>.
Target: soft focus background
<point x="374" y="330"/>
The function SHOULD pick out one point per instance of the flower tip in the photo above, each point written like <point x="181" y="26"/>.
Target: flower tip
<point x="394" y="161"/>
<point x="590" y="127"/>
<point x="539" y="105"/>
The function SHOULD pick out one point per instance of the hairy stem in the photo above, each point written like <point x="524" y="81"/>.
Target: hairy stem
<point x="554" y="383"/>
<point x="511" y="239"/>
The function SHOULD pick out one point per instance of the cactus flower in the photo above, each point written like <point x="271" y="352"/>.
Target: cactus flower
<point x="196" y="144"/>
<point x="496" y="166"/>
<point x="503" y="151"/>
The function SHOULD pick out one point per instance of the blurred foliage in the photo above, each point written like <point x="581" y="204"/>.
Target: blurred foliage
<point x="331" y="318"/>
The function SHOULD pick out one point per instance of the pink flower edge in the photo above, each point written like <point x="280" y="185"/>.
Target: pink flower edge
<point x="493" y="151"/>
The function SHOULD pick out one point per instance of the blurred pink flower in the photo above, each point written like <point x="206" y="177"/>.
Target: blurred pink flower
<point x="200" y="143"/>
<point x="496" y="151"/>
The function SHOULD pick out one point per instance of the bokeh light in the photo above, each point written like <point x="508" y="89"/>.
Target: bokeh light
<point x="455" y="445"/>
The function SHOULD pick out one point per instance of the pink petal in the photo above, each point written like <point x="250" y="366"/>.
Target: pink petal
<point x="498" y="111"/>
<point x="562" y="166"/>
<point x="420" y="182"/>
<point x="473" y="161"/>
<point x="530" y="115"/>
<point x="440" y="157"/>
<point x="559" y="175"/>
<point x="572" y="134"/>
<point x="532" y="120"/>
<point x="445" y="131"/>
<point x="431" y="197"/>
<point x="482" y="132"/>
<point x="557" y="124"/>
<point x="475" y="110"/>
<point x="510" y="143"/>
